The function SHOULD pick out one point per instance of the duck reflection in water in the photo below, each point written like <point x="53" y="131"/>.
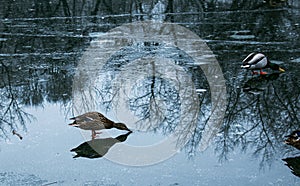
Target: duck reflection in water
<point x="97" y="148"/>
<point x="258" y="84"/>
<point x="96" y="121"/>
<point x="293" y="139"/>
<point x="294" y="164"/>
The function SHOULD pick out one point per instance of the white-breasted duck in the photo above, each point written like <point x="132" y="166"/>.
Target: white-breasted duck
<point x="258" y="61"/>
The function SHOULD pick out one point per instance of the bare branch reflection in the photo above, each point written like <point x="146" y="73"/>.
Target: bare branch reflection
<point x="152" y="85"/>
<point x="259" y="115"/>
<point x="261" y="110"/>
<point x="158" y="102"/>
<point x="12" y="116"/>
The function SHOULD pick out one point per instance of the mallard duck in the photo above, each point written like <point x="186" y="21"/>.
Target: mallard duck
<point x="258" y="61"/>
<point x="293" y="139"/>
<point x="95" y="121"/>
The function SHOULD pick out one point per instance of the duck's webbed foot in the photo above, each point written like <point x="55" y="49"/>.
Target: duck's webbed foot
<point x="262" y="72"/>
<point x="94" y="134"/>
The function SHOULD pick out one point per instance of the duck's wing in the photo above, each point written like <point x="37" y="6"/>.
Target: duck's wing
<point x="97" y="116"/>
<point x="93" y="125"/>
<point x="259" y="63"/>
<point x="93" y="120"/>
<point x="102" y="119"/>
<point x="253" y="58"/>
<point x="255" y="61"/>
<point x="87" y="117"/>
<point x="248" y="58"/>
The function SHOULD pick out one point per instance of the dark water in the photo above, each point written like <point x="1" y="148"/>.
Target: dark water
<point x="197" y="118"/>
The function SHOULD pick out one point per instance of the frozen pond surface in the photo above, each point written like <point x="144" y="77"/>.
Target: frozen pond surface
<point x="44" y="156"/>
<point x="196" y="117"/>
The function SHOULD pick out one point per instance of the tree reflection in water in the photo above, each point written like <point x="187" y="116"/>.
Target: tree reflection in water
<point x="12" y="116"/>
<point x="30" y="85"/>
<point x="259" y="112"/>
<point x="160" y="94"/>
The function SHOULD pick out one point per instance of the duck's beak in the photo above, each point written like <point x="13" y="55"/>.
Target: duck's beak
<point x="286" y="142"/>
<point x="281" y="69"/>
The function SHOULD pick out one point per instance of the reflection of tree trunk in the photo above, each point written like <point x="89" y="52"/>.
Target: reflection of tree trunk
<point x="235" y="4"/>
<point x="96" y="9"/>
<point x="170" y="9"/>
<point x="74" y="8"/>
<point x="82" y="7"/>
<point x="242" y="4"/>
<point x="66" y="8"/>
<point x="42" y="8"/>
<point x="130" y="10"/>
<point x="153" y="79"/>
<point x="109" y="7"/>
<point x="11" y="113"/>
<point x="139" y="8"/>
<point x="200" y="7"/>
<point x="7" y="11"/>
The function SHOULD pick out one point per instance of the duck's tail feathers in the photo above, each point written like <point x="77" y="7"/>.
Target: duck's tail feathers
<point x="245" y="66"/>
<point x="74" y="124"/>
<point x="76" y="156"/>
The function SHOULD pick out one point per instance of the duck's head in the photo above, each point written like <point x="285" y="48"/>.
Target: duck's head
<point x="121" y="126"/>
<point x="293" y="139"/>
<point x="293" y="142"/>
<point x="295" y="135"/>
<point x="274" y="66"/>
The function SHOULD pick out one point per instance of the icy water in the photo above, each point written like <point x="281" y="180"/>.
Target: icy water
<point x="174" y="79"/>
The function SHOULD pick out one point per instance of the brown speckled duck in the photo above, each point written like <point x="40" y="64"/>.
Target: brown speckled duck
<point x="293" y="139"/>
<point x="95" y="121"/>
